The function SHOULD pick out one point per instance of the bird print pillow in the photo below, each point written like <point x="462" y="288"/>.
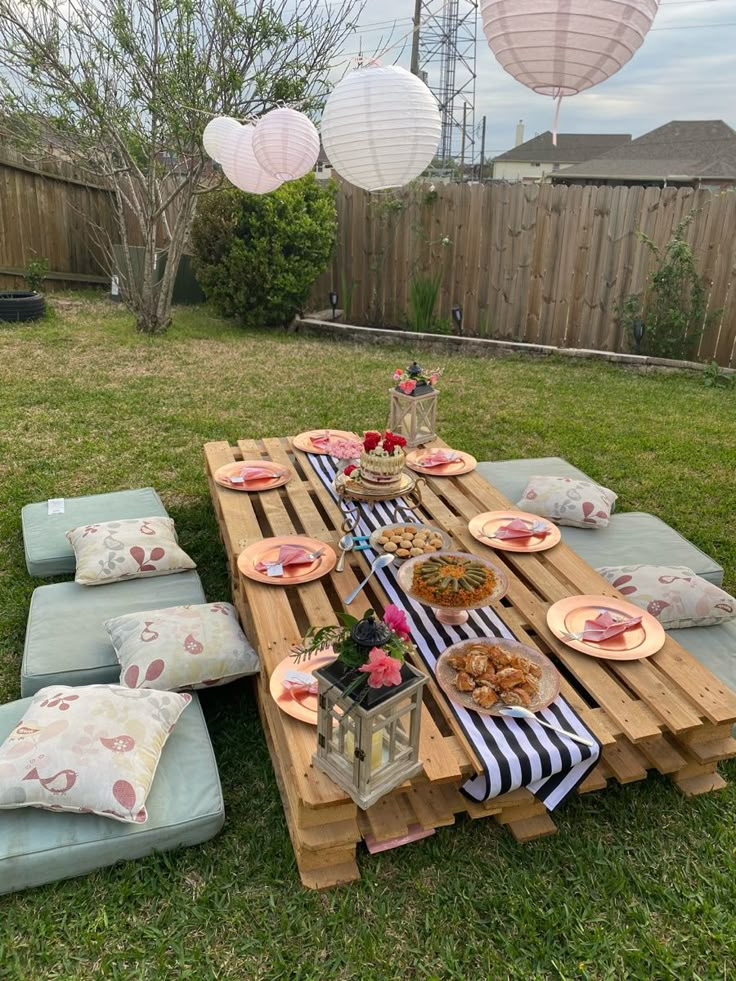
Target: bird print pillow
<point x="90" y="750"/>
<point x="132" y="548"/>
<point x="181" y="647"/>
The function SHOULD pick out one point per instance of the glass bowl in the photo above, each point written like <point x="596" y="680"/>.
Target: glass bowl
<point x="448" y="612"/>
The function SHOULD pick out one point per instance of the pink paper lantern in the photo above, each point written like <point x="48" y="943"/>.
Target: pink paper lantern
<point x="562" y="47"/>
<point x="240" y="165"/>
<point x="286" y="144"/>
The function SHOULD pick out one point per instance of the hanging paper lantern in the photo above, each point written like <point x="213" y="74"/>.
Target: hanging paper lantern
<point x="381" y="127"/>
<point x="562" y="47"/>
<point x="240" y="165"/>
<point x="215" y="134"/>
<point x="286" y="144"/>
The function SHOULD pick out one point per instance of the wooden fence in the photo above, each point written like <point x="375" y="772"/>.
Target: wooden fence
<point x="542" y="264"/>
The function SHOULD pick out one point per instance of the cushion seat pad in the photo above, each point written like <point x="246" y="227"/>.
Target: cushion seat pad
<point x="185" y="807"/>
<point x="512" y="476"/>
<point x="714" y="647"/>
<point x="48" y="553"/>
<point x="66" y="640"/>
<point x="637" y="538"/>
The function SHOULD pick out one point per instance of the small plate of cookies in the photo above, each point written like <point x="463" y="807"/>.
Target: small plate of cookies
<point x="405" y="541"/>
<point x="488" y="673"/>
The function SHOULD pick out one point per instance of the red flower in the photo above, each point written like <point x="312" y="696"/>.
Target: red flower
<point x="389" y="445"/>
<point x="399" y="440"/>
<point x="371" y="440"/>
<point x="382" y="669"/>
<point x="348" y="470"/>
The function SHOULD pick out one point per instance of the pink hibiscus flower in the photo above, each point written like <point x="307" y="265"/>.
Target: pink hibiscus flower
<point x="382" y="669"/>
<point x="408" y="386"/>
<point x="395" y="618"/>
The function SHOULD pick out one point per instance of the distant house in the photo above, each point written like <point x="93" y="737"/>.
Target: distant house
<point x="699" y="153"/>
<point x="535" y="159"/>
<point x="323" y="167"/>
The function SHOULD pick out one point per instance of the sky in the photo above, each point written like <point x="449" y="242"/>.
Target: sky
<point x="686" y="69"/>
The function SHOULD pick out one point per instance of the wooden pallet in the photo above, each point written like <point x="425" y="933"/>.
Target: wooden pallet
<point x="666" y="714"/>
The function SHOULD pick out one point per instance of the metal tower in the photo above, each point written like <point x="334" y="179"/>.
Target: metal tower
<point x="447" y="61"/>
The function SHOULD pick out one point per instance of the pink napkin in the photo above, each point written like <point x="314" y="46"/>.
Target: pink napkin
<point x="299" y="683"/>
<point x="252" y="473"/>
<point x="321" y="441"/>
<point x="518" y="528"/>
<point x="288" y="555"/>
<point x="436" y="458"/>
<point x="604" y="627"/>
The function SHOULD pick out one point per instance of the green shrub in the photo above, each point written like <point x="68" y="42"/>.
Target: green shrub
<point x="424" y="292"/>
<point x="257" y="256"/>
<point x="36" y="269"/>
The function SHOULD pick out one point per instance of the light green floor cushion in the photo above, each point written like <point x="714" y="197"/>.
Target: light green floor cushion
<point x="634" y="538"/>
<point x="185" y="807"/>
<point x="512" y="476"/>
<point x="48" y="553"/>
<point x="66" y="641"/>
<point x="714" y="647"/>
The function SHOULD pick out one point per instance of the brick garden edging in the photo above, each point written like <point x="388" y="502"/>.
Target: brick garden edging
<point x="315" y="326"/>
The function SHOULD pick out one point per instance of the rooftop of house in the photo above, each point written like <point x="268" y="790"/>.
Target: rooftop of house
<point x="681" y="149"/>
<point x="571" y="148"/>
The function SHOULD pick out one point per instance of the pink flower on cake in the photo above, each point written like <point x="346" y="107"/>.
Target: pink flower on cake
<point x="382" y="669"/>
<point x="395" y="618"/>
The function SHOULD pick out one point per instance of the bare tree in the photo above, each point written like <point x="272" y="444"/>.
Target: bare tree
<point x="128" y="86"/>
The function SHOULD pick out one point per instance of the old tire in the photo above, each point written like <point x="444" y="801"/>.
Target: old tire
<point x="17" y="305"/>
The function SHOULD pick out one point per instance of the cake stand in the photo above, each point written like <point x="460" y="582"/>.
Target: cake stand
<point x="448" y="612"/>
<point x="349" y="492"/>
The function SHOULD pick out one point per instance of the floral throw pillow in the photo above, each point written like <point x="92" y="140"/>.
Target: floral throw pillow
<point x="568" y="501"/>
<point x="133" y="548"/>
<point x="181" y="647"/>
<point x="675" y="595"/>
<point x="93" y="750"/>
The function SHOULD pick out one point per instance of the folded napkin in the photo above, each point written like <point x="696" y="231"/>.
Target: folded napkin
<point x="321" y="441"/>
<point x="251" y="473"/>
<point x="299" y="684"/>
<point x="437" y="458"/>
<point x="604" y="627"/>
<point x="288" y="555"/>
<point x="518" y="528"/>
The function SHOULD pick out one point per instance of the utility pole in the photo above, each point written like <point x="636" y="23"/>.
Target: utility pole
<point x="482" y="149"/>
<point x="415" y="37"/>
<point x="462" y="145"/>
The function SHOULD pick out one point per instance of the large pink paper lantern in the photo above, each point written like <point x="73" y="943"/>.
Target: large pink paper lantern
<point x="240" y="165"/>
<point x="562" y="47"/>
<point x="286" y="144"/>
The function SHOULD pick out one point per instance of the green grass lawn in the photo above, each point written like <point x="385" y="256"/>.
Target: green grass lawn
<point x="638" y="883"/>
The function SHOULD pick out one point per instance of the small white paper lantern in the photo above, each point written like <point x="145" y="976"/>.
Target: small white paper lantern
<point x="286" y="144"/>
<point x="381" y="127"/>
<point x="215" y="133"/>
<point x="240" y="166"/>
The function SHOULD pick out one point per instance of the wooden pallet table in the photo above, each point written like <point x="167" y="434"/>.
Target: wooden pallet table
<point x="667" y="714"/>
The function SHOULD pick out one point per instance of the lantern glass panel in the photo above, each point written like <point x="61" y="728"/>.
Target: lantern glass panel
<point x="414" y="417"/>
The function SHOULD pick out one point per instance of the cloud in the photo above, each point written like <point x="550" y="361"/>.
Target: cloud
<point x="684" y="70"/>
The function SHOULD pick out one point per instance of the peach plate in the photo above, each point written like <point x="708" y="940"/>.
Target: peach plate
<point x="568" y="616"/>
<point x="304" y="709"/>
<point x="282" y="474"/>
<point x="304" y="442"/>
<point x="486" y="524"/>
<point x="268" y="551"/>
<point x="549" y="682"/>
<point x="456" y="468"/>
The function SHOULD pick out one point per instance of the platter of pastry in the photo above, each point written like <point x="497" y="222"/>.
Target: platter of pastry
<point x="405" y="541"/>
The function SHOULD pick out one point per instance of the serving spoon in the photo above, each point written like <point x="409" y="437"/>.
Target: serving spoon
<point x="517" y="712"/>
<point x="346" y="544"/>
<point x="380" y="563"/>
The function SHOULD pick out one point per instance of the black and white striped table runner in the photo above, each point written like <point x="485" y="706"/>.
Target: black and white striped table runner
<point x="515" y="753"/>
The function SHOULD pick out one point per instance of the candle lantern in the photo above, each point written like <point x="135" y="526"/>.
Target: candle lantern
<point x="368" y="737"/>
<point x="413" y="409"/>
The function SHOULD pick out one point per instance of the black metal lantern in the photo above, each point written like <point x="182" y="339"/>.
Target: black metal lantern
<point x="368" y="633"/>
<point x="333" y="304"/>
<point x="457" y="316"/>
<point x="640" y="329"/>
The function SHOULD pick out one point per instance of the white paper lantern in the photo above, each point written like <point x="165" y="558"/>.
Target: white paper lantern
<point x="215" y="134"/>
<point x="381" y="127"/>
<point x="286" y="144"/>
<point x="240" y="166"/>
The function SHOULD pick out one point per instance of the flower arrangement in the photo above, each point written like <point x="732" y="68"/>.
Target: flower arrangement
<point x="384" y="446"/>
<point x="370" y="649"/>
<point x="415" y="377"/>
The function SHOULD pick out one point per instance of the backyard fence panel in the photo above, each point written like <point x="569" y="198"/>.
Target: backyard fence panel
<point x="539" y="263"/>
